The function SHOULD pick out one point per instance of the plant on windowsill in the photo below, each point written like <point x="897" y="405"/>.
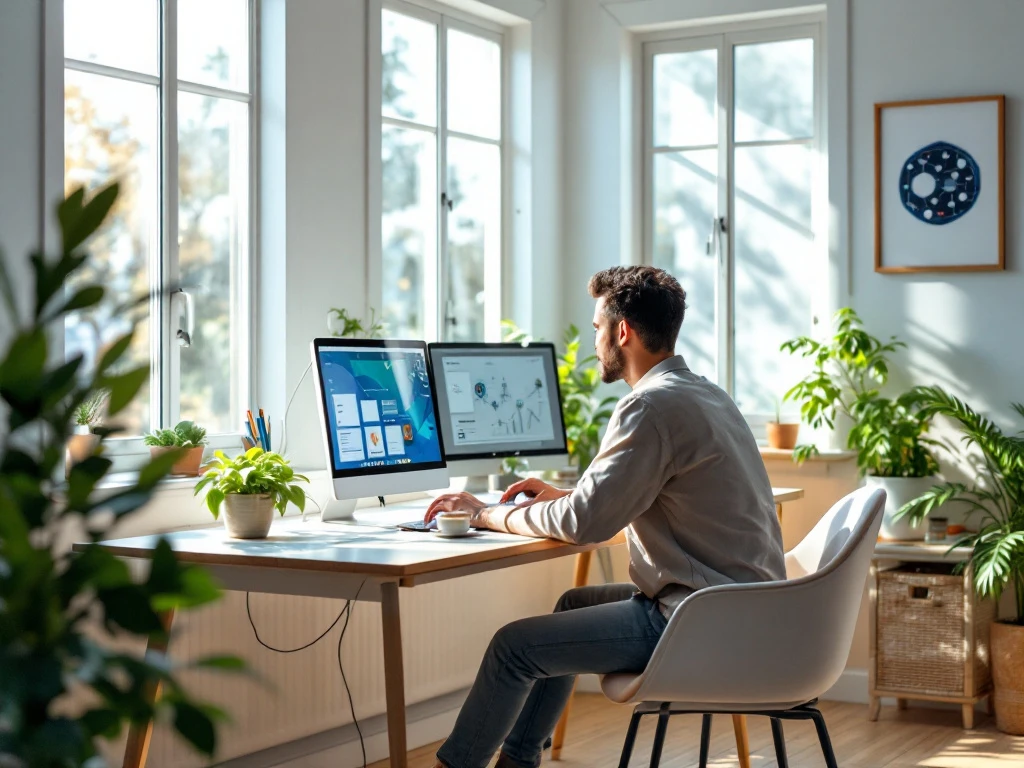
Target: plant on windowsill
<point x="341" y="323"/>
<point x="68" y="678"/>
<point x="997" y="549"/>
<point x="187" y="440"/>
<point x="781" y="435"/>
<point x="585" y="414"/>
<point x="84" y="440"/>
<point x="888" y="434"/>
<point x="251" y="486"/>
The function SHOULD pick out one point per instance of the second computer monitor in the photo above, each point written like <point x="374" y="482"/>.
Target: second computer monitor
<point x="497" y="401"/>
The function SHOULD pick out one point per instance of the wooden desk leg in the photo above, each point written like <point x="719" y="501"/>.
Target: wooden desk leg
<point x="139" y="735"/>
<point x="739" y="725"/>
<point x="579" y="579"/>
<point x="394" y="674"/>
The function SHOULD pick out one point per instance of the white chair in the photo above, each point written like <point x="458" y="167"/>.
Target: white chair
<point x="769" y="648"/>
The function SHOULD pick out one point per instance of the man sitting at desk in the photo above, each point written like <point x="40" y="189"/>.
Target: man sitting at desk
<point x="679" y="470"/>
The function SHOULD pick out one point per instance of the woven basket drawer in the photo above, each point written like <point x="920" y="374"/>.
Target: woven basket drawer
<point x="921" y="643"/>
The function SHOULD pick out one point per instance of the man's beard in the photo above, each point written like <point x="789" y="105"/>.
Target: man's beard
<point x="613" y="367"/>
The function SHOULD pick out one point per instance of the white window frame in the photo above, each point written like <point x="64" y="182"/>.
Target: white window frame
<point x="435" y="281"/>
<point x="165" y="368"/>
<point x="724" y="38"/>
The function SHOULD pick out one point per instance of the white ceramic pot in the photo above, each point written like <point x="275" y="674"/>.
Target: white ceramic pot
<point x="898" y="491"/>
<point x="248" y="516"/>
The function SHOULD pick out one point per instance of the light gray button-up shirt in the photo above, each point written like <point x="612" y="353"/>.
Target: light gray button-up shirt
<point x="679" y="471"/>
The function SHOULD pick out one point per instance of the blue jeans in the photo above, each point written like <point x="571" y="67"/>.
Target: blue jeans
<point x="527" y="674"/>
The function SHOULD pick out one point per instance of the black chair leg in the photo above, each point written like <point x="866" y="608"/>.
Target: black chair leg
<point x="659" y="736"/>
<point x="780" y="743"/>
<point x="826" y="742"/>
<point x="705" y="740"/>
<point x="627" y="746"/>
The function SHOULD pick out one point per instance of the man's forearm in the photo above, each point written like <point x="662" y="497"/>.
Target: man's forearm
<point x="509" y="519"/>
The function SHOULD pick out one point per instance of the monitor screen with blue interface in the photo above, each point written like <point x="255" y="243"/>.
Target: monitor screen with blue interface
<point x="498" y="400"/>
<point x="378" y="405"/>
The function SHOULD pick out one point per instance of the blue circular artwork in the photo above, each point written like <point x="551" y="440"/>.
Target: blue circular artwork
<point x="939" y="183"/>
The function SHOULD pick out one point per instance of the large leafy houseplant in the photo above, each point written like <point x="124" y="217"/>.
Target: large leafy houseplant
<point x="996" y="559"/>
<point x="849" y="370"/>
<point x="997" y="498"/>
<point x="58" y="610"/>
<point x="584" y="412"/>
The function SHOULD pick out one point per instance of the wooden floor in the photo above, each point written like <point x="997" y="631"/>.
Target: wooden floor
<point x="918" y="737"/>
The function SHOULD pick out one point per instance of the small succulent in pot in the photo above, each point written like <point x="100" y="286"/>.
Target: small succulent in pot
<point x="188" y="438"/>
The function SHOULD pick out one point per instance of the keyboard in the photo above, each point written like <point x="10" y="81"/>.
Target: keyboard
<point x="417" y="525"/>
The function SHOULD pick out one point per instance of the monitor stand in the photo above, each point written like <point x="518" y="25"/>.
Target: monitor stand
<point x="339" y="510"/>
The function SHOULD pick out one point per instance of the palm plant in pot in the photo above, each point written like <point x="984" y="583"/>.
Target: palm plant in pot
<point x="888" y="434"/>
<point x="187" y="440"/>
<point x="997" y="548"/>
<point x="251" y="486"/>
<point x="780" y="434"/>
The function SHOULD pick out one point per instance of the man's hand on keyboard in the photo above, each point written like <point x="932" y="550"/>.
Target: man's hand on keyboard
<point x="535" y="490"/>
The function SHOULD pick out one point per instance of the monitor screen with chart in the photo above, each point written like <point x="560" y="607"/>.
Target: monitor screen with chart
<point x="498" y="400"/>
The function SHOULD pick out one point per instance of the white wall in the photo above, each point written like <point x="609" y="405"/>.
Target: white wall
<point x="963" y="329"/>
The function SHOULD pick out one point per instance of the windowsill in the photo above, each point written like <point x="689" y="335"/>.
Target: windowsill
<point x="786" y="454"/>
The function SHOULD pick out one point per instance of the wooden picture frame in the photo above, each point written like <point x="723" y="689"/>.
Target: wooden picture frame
<point x="940" y="206"/>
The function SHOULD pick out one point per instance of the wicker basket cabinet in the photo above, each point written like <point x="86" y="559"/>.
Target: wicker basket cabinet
<point x="929" y="636"/>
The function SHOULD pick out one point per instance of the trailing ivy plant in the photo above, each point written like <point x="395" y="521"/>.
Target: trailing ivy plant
<point x="58" y="610"/>
<point x="888" y="434"/>
<point x="997" y="549"/>
<point x="584" y="413"/>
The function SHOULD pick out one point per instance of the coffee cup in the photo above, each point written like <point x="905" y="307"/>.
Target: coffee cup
<point x="453" y="523"/>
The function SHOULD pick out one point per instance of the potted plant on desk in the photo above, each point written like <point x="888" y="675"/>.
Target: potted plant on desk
<point x="251" y="486"/>
<point x="188" y="438"/>
<point x="888" y="434"/>
<point x="997" y="549"/>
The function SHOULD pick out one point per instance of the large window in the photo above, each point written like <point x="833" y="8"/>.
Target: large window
<point x="162" y="102"/>
<point x="441" y="176"/>
<point x="733" y="200"/>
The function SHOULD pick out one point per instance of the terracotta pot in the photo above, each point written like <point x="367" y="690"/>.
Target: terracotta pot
<point x="187" y="465"/>
<point x="1007" y="642"/>
<point x="248" y="516"/>
<point x="80" y="446"/>
<point x="782" y="435"/>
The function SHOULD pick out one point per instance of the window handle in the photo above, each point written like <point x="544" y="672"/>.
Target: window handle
<point x="714" y="237"/>
<point x="182" y="307"/>
<point x="446" y="202"/>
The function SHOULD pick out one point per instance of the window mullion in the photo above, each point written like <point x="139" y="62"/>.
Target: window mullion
<point x="169" y="273"/>
<point x="724" y="284"/>
<point x="443" y="291"/>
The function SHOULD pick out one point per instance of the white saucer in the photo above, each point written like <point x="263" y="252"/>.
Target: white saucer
<point x="470" y="532"/>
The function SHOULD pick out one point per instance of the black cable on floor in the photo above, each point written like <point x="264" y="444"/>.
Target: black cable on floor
<point x="344" y="679"/>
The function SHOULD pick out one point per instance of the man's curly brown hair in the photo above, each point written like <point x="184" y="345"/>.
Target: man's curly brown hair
<point x="650" y="299"/>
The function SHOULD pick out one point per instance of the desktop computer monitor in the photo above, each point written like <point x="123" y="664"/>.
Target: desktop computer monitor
<point x="497" y="401"/>
<point x="379" y="418"/>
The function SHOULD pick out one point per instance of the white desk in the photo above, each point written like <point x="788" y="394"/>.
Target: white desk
<point x="350" y="561"/>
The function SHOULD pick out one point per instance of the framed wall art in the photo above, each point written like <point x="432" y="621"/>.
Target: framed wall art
<point x="939" y="185"/>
